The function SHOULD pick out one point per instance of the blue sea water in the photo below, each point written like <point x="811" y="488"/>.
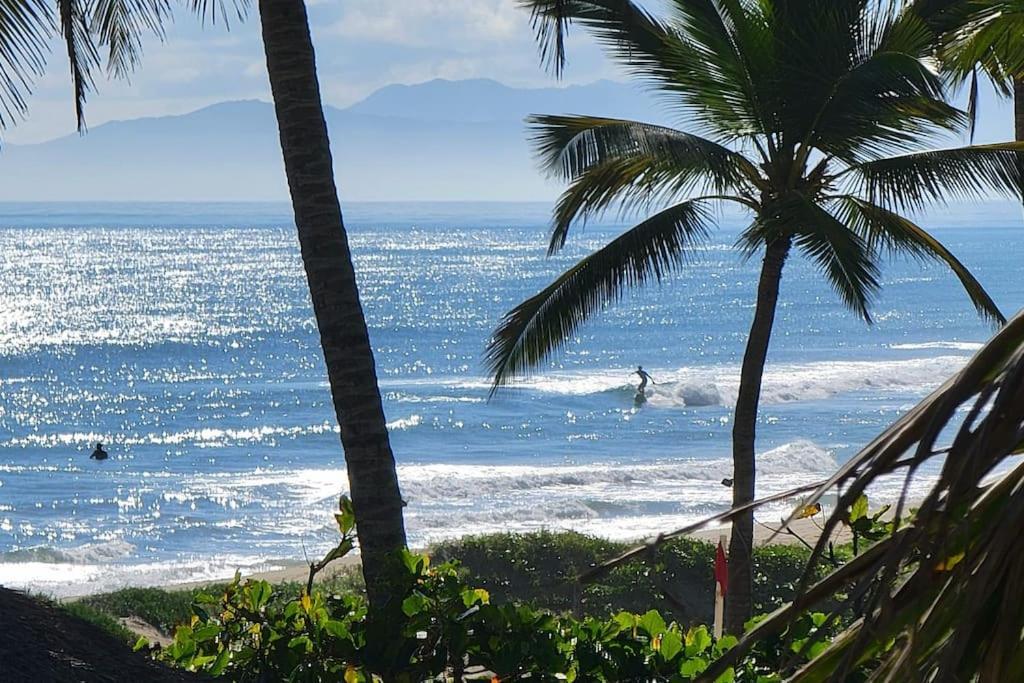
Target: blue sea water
<point x="182" y="337"/>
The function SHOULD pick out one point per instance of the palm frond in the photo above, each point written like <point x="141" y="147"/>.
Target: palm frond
<point x="915" y="181"/>
<point x="897" y="234"/>
<point x="613" y="162"/>
<point x="26" y="27"/>
<point x="620" y="24"/>
<point x="119" y="26"/>
<point x="844" y="257"/>
<point x="219" y="10"/>
<point x="987" y="37"/>
<point x="82" y="54"/>
<point x="531" y="331"/>
<point x="943" y="592"/>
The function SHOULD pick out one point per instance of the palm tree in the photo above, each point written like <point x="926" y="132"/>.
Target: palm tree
<point x="985" y="36"/>
<point x="373" y="479"/>
<point x="89" y="29"/>
<point x="815" y="119"/>
<point x="941" y="594"/>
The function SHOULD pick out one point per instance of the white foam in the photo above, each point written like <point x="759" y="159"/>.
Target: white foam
<point x="951" y="345"/>
<point x="405" y="422"/>
<point x="64" y="579"/>
<point x="783" y="383"/>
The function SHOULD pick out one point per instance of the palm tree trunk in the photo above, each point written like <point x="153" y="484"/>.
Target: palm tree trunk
<point x="1018" y="109"/>
<point x="1018" y="125"/>
<point x="738" y="603"/>
<point x="373" y="481"/>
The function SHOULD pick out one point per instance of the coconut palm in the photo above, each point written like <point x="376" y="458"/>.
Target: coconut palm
<point x="373" y="479"/>
<point x="983" y="36"/>
<point x="111" y="31"/>
<point x="818" y="119"/>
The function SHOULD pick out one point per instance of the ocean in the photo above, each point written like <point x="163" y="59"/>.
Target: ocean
<point x="181" y="336"/>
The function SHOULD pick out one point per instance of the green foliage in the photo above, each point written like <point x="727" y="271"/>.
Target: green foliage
<point x="99" y="618"/>
<point x="160" y="608"/>
<point x="249" y="632"/>
<point x="540" y="569"/>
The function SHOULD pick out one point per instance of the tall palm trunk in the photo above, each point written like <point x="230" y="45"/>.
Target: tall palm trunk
<point x="1018" y="109"/>
<point x="1018" y="124"/>
<point x="373" y="481"/>
<point x="738" y="604"/>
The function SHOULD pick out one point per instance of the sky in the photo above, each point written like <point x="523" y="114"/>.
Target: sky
<point x="361" y="45"/>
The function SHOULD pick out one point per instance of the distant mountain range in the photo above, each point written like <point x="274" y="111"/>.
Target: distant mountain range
<point x="440" y="140"/>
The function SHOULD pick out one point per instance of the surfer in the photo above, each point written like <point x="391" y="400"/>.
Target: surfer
<point x="99" y="453"/>
<point x="644" y="378"/>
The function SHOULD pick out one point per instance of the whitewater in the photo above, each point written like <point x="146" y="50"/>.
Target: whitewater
<point x="181" y="337"/>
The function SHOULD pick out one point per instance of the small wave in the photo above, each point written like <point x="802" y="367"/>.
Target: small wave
<point x="950" y="345"/>
<point x="405" y="423"/>
<point x="90" y="553"/>
<point x="784" y="383"/>
<point x="427" y="483"/>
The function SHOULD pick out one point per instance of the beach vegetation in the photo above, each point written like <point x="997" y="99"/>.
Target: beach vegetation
<point x="822" y="122"/>
<point x="451" y="631"/>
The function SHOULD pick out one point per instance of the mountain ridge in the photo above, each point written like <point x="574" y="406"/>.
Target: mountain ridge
<point x="440" y="140"/>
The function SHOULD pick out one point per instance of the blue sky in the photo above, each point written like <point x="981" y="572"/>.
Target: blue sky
<point x="361" y="45"/>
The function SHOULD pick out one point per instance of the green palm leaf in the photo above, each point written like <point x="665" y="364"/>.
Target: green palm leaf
<point x="119" y="26"/>
<point x="914" y="181"/>
<point x="897" y="234"/>
<point x="622" y="25"/>
<point x="626" y="164"/>
<point x="844" y="258"/>
<point x="25" y="29"/>
<point x="534" y="329"/>
<point x="81" y="50"/>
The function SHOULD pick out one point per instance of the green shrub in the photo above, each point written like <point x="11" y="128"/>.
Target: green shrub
<point x="540" y="569"/>
<point x="161" y="608"/>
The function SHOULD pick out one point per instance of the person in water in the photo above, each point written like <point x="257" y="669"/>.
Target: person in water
<point x="644" y="378"/>
<point x="99" y="453"/>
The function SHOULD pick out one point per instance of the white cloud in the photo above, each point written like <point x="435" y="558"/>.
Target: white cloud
<point x="433" y="23"/>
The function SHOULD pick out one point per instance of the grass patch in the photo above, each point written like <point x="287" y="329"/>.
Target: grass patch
<point x="95" y="616"/>
<point x="538" y="569"/>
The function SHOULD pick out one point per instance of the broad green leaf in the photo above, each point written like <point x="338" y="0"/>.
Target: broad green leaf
<point x="691" y="667"/>
<point x="671" y="645"/>
<point x="728" y="677"/>
<point x="300" y="643"/>
<point x="346" y="517"/>
<point x="652" y="623"/>
<point x="221" y="663"/>
<point x="859" y="508"/>
<point x="472" y="596"/>
<point x="414" y="604"/>
<point x="726" y="642"/>
<point x="207" y="632"/>
<point x="697" y="640"/>
<point x="338" y="629"/>
<point x="140" y="644"/>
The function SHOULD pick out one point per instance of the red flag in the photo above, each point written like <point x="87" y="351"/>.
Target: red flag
<point x="721" y="569"/>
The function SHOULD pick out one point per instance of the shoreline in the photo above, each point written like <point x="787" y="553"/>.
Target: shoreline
<point x="764" y="534"/>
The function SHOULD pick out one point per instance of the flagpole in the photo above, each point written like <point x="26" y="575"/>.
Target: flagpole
<point x="719" y="598"/>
